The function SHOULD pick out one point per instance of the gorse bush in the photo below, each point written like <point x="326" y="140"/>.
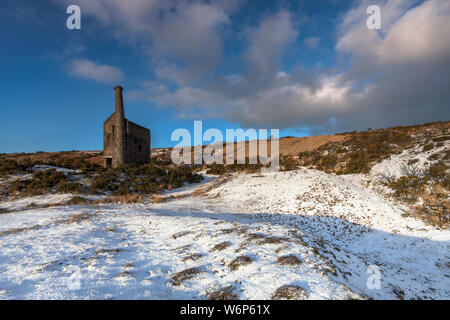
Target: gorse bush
<point x="107" y="181"/>
<point x="357" y="163"/>
<point x="42" y="182"/>
<point x="77" y="200"/>
<point x="328" y="161"/>
<point x="428" y="147"/>
<point x="288" y="163"/>
<point x="129" y="179"/>
<point x="377" y="150"/>
<point x="75" y="164"/>
<point x="8" y="167"/>
<point x="142" y="179"/>
<point x="438" y="172"/>
<point x="407" y="188"/>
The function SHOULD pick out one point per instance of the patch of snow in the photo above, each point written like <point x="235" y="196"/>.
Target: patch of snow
<point x="42" y="200"/>
<point x="42" y="167"/>
<point x="396" y="163"/>
<point x="335" y="225"/>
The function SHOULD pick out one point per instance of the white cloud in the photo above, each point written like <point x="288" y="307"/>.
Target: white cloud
<point x="409" y="37"/>
<point x="187" y="32"/>
<point x="86" y="69"/>
<point x="418" y="35"/>
<point x="397" y="75"/>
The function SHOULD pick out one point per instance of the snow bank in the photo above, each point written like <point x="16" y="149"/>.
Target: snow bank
<point x="335" y="227"/>
<point x="396" y="163"/>
<point x="315" y="193"/>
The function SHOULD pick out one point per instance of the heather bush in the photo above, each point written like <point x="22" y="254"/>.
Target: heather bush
<point x="357" y="163"/>
<point x="428" y="147"/>
<point x="288" y="163"/>
<point x="407" y="188"/>
<point x="42" y="182"/>
<point x="11" y="167"/>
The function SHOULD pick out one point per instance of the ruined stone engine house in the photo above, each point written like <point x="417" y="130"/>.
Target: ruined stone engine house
<point x="124" y="141"/>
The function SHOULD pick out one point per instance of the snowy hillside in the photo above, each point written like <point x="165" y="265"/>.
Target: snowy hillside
<point x="300" y="234"/>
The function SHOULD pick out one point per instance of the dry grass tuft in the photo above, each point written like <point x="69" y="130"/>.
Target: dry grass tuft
<point x="77" y="218"/>
<point x="199" y="192"/>
<point x="193" y="257"/>
<point x="272" y="240"/>
<point x="240" y="261"/>
<point x="289" y="260"/>
<point x="226" y="293"/>
<point x="255" y="236"/>
<point x="77" y="200"/>
<point x="127" y="198"/>
<point x="227" y="231"/>
<point x="221" y="246"/>
<point x="158" y="199"/>
<point x="187" y="274"/>
<point x="100" y="252"/>
<point x="290" y="292"/>
<point x="181" y="234"/>
<point x="18" y="230"/>
<point x="183" y="248"/>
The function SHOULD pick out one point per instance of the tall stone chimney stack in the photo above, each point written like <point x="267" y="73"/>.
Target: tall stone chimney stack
<point x="119" y="101"/>
<point x="121" y="157"/>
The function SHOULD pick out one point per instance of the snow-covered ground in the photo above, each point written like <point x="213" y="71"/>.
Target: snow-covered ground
<point x="395" y="165"/>
<point x="336" y="226"/>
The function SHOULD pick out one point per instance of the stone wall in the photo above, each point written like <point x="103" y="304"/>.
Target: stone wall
<point x="137" y="143"/>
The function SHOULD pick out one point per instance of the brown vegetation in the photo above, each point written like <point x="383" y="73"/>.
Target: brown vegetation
<point x="290" y="292"/>
<point x="226" y="293"/>
<point x="289" y="260"/>
<point x="221" y="246"/>
<point x="240" y="261"/>
<point x="186" y="274"/>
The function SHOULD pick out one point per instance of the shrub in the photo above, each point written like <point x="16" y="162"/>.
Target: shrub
<point x="398" y="138"/>
<point x="187" y="274"/>
<point x="69" y="187"/>
<point x="77" y="163"/>
<point x="240" y="261"/>
<point x="428" y="147"/>
<point x="446" y="182"/>
<point x="105" y="182"/>
<point x="77" y="200"/>
<point x="290" y="260"/>
<point x="288" y="163"/>
<point x="8" y="167"/>
<point x="226" y="293"/>
<point x="290" y="292"/>
<point x="411" y="170"/>
<point x="438" y="172"/>
<point x="42" y="182"/>
<point x="221" y="246"/>
<point x="376" y="150"/>
<point x="407" y="188"/>
<point x="328" y="161"/>
<point x="357" y="163"/>
<point x="49" y="178"/>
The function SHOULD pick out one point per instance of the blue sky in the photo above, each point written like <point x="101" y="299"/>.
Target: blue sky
<point x="305" y="67"/>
